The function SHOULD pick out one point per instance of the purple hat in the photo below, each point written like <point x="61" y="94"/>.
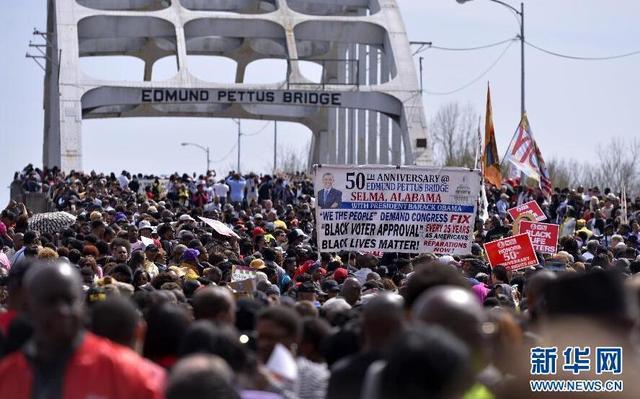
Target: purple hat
<point x="190" y="254"/>
<point x="121" y="217"/>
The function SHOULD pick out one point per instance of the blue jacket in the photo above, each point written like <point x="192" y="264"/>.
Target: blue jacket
<point x="333" y="197"/>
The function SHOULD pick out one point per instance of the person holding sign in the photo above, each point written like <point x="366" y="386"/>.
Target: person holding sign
<point x="329" y="197"/>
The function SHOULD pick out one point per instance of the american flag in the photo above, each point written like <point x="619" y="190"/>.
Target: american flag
<point x="525" y="155"/>
<point x="545" y="179"/>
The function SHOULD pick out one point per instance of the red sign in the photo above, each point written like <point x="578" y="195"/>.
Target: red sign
<point x="544" y="236"/>
<point x="513" y="252"/>
<point x="528" y="207"/>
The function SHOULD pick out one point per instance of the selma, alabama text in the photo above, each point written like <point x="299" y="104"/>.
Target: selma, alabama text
<point x="395" y="197"/>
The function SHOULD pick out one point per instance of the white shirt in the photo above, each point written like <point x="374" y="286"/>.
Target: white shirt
<point x="220" y="189"/>
<point x="502" y="206"/>
<point x="123" y="181"/>
<point x="209" y="191"/>
<point x="252" y="192"/>
<point x="137" y="246"/>
<point x="211" y="207"/>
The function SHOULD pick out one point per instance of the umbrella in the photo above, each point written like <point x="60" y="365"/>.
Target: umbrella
<point x="51" y="222"/>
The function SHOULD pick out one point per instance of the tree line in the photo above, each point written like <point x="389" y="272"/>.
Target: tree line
<point x="454" y="131"/>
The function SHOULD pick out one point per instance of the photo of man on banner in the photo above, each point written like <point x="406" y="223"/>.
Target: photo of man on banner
<point x="329" y="197"/>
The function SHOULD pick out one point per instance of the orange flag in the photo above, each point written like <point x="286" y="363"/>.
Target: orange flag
<point x="490" y="159"/>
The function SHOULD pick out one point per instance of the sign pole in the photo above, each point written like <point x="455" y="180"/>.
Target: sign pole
<point x="239" y="144"/>
<point x="275" y="145"/>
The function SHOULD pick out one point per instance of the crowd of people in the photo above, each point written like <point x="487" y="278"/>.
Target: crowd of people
<point x="139" y="297"/>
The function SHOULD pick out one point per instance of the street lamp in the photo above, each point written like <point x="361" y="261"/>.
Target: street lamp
<point x="239" y="123"/>
<point x="521" y="37"/>
<point x="275" y="145"/>
<point x="205" y="149"/>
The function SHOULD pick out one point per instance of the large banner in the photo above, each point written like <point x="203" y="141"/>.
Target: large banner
<point x="395" y="209"/>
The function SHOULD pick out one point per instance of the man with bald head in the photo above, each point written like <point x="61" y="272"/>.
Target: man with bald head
<point x="454" y="308"/>
<point x="533" y="291"/>
<point x="351" y="291"/>
<point x="202" y="377"/>
<point x="214" y="303"/>
<point x="458" y="311"/>
<point x="382" y="321"/>
<point x="62" y="360"/>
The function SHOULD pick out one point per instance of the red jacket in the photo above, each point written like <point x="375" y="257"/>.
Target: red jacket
<point x="97" y="369"/>
<point x="5" y="320"/>
<point x="200" y="199"/>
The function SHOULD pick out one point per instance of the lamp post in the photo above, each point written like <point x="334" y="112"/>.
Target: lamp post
<point x="238" y="122"/>
<point x="205" y="149"/>
<point x="275" y="145"/>
<point x="519" y="13"/>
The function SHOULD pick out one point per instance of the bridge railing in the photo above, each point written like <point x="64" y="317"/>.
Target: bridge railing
<point x="37" y="202"/>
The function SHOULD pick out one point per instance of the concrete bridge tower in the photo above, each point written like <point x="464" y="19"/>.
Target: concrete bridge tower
<point x="366" y="108"/>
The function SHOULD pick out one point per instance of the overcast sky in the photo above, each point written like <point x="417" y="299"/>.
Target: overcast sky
<point x="573" y="106"/>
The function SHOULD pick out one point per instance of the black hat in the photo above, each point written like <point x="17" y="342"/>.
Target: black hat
<point x="330" y="286"/>
<point x="476" y="249"/>
<point x="307" y="286"/>
<point x="295" y="234"/>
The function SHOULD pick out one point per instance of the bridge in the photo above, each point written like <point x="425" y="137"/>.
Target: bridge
<point x="365" y="108"/>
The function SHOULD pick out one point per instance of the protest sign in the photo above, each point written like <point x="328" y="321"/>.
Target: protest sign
<point x="244" y="288"/>
<point x="513" y="252"/>
<point x="395" y="209"/>
<point x="544" y="236"/>
<point x="528" y="207"/>
<point x="243" y="281"/>
<point x="282" y="363"/>
<point x="219" y="227"/>
<point x="240" y="273"/>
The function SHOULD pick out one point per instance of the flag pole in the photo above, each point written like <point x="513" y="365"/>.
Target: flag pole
<point x="523" y="176"/>
<point x="483" y="213"/>
<point x="624" y="204"/>
<point x="478" y="146"/>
